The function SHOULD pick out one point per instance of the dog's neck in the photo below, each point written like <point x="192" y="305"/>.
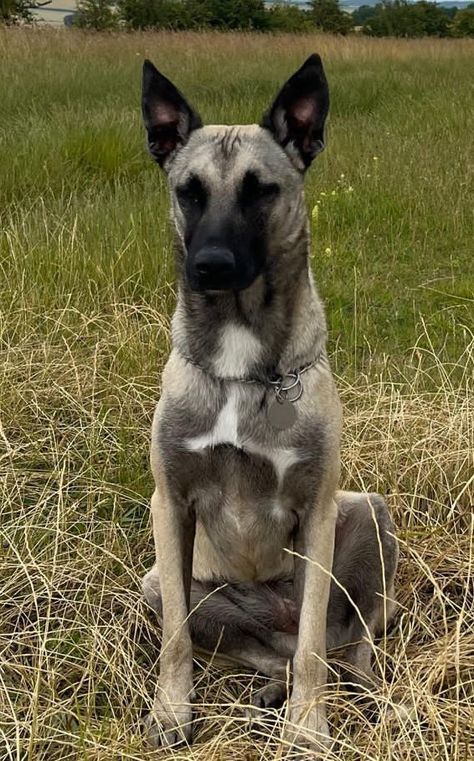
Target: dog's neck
<point x="275" y="326"/>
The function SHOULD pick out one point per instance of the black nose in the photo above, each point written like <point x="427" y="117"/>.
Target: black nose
<point x="213" y="268"/>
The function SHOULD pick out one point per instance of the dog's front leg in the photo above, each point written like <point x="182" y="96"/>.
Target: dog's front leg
<point x="307" y="724"/>
<point x="173" y="530"/>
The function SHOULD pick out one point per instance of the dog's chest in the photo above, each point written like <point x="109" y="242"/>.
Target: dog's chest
<point x="244" y="515"/>
<point x="248" y="484"/>
<point x="237" y="426"/>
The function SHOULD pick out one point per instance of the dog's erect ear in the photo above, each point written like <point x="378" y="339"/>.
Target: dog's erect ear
<point x="169" y="119"/>
<point x="296" y="118"/>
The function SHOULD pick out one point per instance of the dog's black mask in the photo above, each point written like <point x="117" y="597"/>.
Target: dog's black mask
<point x="225" y="237"/>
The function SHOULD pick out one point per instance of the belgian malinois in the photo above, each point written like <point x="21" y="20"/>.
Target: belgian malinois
<point x="258" y="556"/>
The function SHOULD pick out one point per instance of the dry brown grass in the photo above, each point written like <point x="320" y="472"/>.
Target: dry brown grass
<point x="78" y="648"/>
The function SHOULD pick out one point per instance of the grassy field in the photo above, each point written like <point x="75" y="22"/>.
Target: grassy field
<point x="85" y="302"/>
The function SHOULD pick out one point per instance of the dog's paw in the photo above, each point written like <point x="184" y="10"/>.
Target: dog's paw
<point x="272" y="696"/>
<point x="169" y="723"/>
<point x="265" y="704"/>
<point x="306" y="733"/>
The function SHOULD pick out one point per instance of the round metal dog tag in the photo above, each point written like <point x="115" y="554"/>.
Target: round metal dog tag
<point x="282" y="414"/>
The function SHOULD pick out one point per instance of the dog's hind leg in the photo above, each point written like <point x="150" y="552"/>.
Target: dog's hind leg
<point x="253" y="625"/>
<point x="362" y="600"/>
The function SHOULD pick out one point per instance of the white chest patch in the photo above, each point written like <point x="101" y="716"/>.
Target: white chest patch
<point x="225" y="431"/>
<point x="225" y="428"/>
<point x="238" y="350"/>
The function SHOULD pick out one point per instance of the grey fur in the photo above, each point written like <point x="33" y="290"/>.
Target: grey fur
<point x="233" y="494"/>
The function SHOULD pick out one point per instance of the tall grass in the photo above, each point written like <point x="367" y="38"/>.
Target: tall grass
<point x="86" y="296"/>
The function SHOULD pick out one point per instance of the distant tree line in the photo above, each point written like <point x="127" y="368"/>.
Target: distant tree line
<point x="224" y="15"/>
<point x="389" y="18"/>
<point x="398" y="18"/>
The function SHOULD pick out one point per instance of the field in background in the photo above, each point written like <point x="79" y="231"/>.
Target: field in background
<point x="85" y="301"/>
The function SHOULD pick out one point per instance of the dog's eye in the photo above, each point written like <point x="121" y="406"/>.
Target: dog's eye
<point x="254" y="190"/>
<point x="192" y="193"/>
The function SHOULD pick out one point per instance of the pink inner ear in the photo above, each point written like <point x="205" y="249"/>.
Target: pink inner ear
<point x="304" y="110"/>
<point x="164" y="113"/>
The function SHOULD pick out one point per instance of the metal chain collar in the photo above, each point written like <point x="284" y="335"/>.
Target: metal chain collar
<point x="282" y="388"/>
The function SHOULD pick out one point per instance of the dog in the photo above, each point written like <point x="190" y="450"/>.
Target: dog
<point x="259" y="557"/>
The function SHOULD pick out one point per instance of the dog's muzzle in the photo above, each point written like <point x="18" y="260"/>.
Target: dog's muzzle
<point x="212" y="268"/>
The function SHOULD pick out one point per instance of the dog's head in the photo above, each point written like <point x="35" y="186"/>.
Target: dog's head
<point x="234" y="189"/>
